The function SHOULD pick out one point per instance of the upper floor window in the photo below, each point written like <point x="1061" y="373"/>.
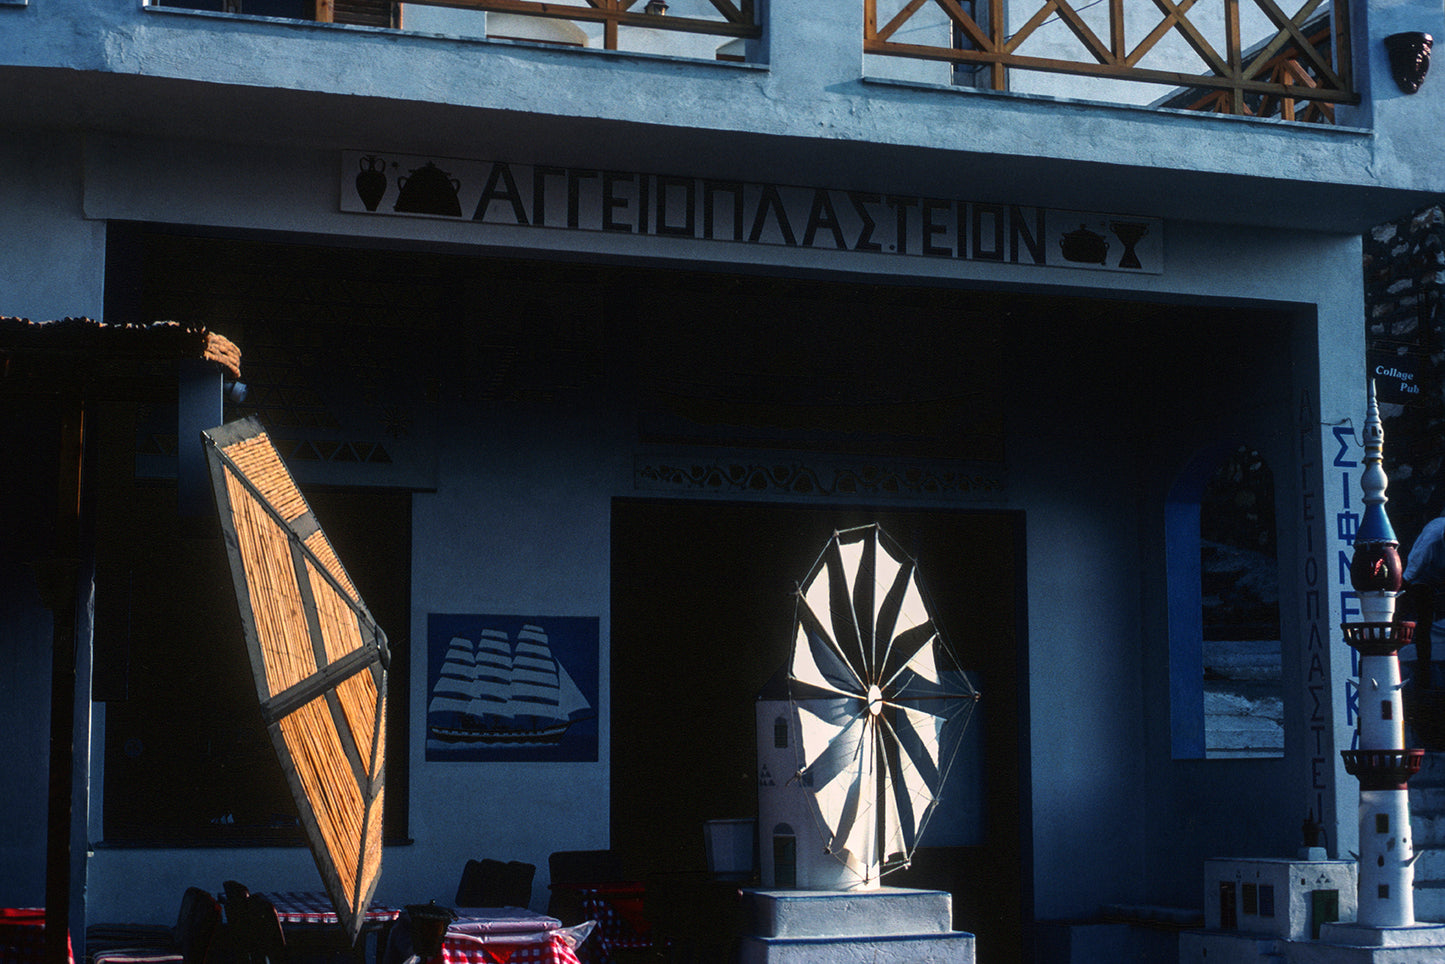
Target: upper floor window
<point x="1246" y="57"/>
<point x="697" y="29"/>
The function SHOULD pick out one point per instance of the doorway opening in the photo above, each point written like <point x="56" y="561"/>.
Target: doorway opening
<point x="702" y="618"/>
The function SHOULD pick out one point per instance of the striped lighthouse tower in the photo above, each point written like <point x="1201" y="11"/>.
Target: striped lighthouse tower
<point x="1381" y="763"/>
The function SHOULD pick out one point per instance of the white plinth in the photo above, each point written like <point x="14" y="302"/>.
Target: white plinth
<point x="891" y="925"/>
<point x="1210" y="947"/>
<point x="1359" y="935"/>
<point x="1356" y="944"/>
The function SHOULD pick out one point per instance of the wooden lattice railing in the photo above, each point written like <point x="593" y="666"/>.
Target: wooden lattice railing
<point x="1299" y="69"/>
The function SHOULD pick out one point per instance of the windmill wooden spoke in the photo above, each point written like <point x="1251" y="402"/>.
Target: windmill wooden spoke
<point x="909" y="809"/>
<point x="912" y="643"/>
<point x="818" y="659"/>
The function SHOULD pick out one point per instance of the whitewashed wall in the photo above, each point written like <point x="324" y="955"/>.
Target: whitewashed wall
<point x="520" y="518"/>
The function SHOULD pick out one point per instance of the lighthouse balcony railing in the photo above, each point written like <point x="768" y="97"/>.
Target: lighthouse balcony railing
<point x="1383" y="769"/>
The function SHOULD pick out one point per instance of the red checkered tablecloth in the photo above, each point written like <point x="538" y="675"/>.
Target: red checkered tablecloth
<point x="22" y="936"/>
<point x="467" y="949"/>
<point x="314" y="907"/>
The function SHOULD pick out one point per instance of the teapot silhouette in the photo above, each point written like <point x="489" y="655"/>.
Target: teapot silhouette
<point x="428" y="190"/>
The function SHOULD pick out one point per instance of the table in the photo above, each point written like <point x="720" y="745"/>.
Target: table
<point x="22" y="936"/>
<point x="314" y="908"/>
<point x="493" y="935"/>
<point x="310" y="923"/>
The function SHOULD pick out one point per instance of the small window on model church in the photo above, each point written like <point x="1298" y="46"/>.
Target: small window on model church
<point x="785" y="856"/>
<point x="780" y="733"/>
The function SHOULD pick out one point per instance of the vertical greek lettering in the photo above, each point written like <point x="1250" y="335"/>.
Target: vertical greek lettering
<point x="900" y="206"/>
<point x="667" y="187"/>
<point x="865" y="240"/>
<point x="610" y="200"/>
<point x="995" y="214"/>
<point x="539" y="192"/>
<point x="709" y="190"/>
<point x="822" y="215"/>
<point x="574" y="194"/>
<point x="501" y="174"/>
<point x="932" y="228"/>
<point x="1019" y="231"/>
<point x="770" y="201"/>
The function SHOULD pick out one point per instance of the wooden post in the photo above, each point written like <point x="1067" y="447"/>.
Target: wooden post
<point x="57" y="578"/>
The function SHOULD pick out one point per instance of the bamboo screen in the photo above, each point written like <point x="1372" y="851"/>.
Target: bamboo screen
<point x="318" y="659"/>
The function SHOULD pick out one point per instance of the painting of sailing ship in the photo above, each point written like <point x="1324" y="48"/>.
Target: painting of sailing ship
<point x="507" y="687"/>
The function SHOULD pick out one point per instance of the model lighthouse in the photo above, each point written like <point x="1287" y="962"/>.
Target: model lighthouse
<point x="1382" y="764"/>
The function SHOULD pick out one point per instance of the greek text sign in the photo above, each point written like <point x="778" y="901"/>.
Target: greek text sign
<point x="743" y="212"/>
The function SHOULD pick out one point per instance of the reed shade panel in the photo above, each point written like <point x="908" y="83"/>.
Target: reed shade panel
<point x="318" y="659"/>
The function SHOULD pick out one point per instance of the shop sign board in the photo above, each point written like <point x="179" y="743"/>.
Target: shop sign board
<point x="746" y="212"/>
<point x="1396" y="375"/>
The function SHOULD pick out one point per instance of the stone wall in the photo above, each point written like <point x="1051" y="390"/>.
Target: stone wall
<point x="1404" y="272"/>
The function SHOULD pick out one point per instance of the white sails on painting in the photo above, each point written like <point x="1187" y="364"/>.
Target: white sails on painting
<point x="499" y="690"/>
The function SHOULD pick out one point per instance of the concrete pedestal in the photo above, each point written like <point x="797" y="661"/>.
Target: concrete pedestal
<point x="1357" y="944"/>
<point x="1212" y="947"/>
<point x="1341" y="943"/>
<point x="891" y="925"/>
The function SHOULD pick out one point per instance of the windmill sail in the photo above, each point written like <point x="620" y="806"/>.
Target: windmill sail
<point x="318" y="659"/>
<point x="878" y="718"/>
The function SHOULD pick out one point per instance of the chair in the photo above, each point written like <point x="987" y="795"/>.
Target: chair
<point x="567" y="869"/>
<point x="256" y="930"/>
<point x="492" y="883"/>
<point x="192" y="940"/>
<point x="590" y="885"/>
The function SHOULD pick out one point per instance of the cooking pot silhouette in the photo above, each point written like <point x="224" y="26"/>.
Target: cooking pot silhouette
<point x="428" y="190"/>
<point x="1084" y="246"/>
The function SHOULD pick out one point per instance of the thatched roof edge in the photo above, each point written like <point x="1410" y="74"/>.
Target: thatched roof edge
<point x="85" y="337"/>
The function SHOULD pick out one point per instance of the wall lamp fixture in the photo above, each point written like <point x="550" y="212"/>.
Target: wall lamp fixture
<point x="1409" y="58"/>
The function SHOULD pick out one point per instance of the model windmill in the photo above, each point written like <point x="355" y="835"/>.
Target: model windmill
<point x="856" y="739"/>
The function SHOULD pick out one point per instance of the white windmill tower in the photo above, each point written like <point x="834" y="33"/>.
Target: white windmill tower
<point x="856" y="739"/>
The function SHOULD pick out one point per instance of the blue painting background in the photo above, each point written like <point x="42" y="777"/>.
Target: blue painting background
<point x="574" y="644"/>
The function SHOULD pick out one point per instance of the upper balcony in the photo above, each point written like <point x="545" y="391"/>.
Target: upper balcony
<point x="1293" y="106"/>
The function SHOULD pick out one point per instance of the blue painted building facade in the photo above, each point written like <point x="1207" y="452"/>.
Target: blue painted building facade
<point x="608" y="321"/>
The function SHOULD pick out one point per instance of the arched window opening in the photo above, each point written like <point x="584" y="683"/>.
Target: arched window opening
<point x="1225" y="666"/>
<point x="1243" y="689"/>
